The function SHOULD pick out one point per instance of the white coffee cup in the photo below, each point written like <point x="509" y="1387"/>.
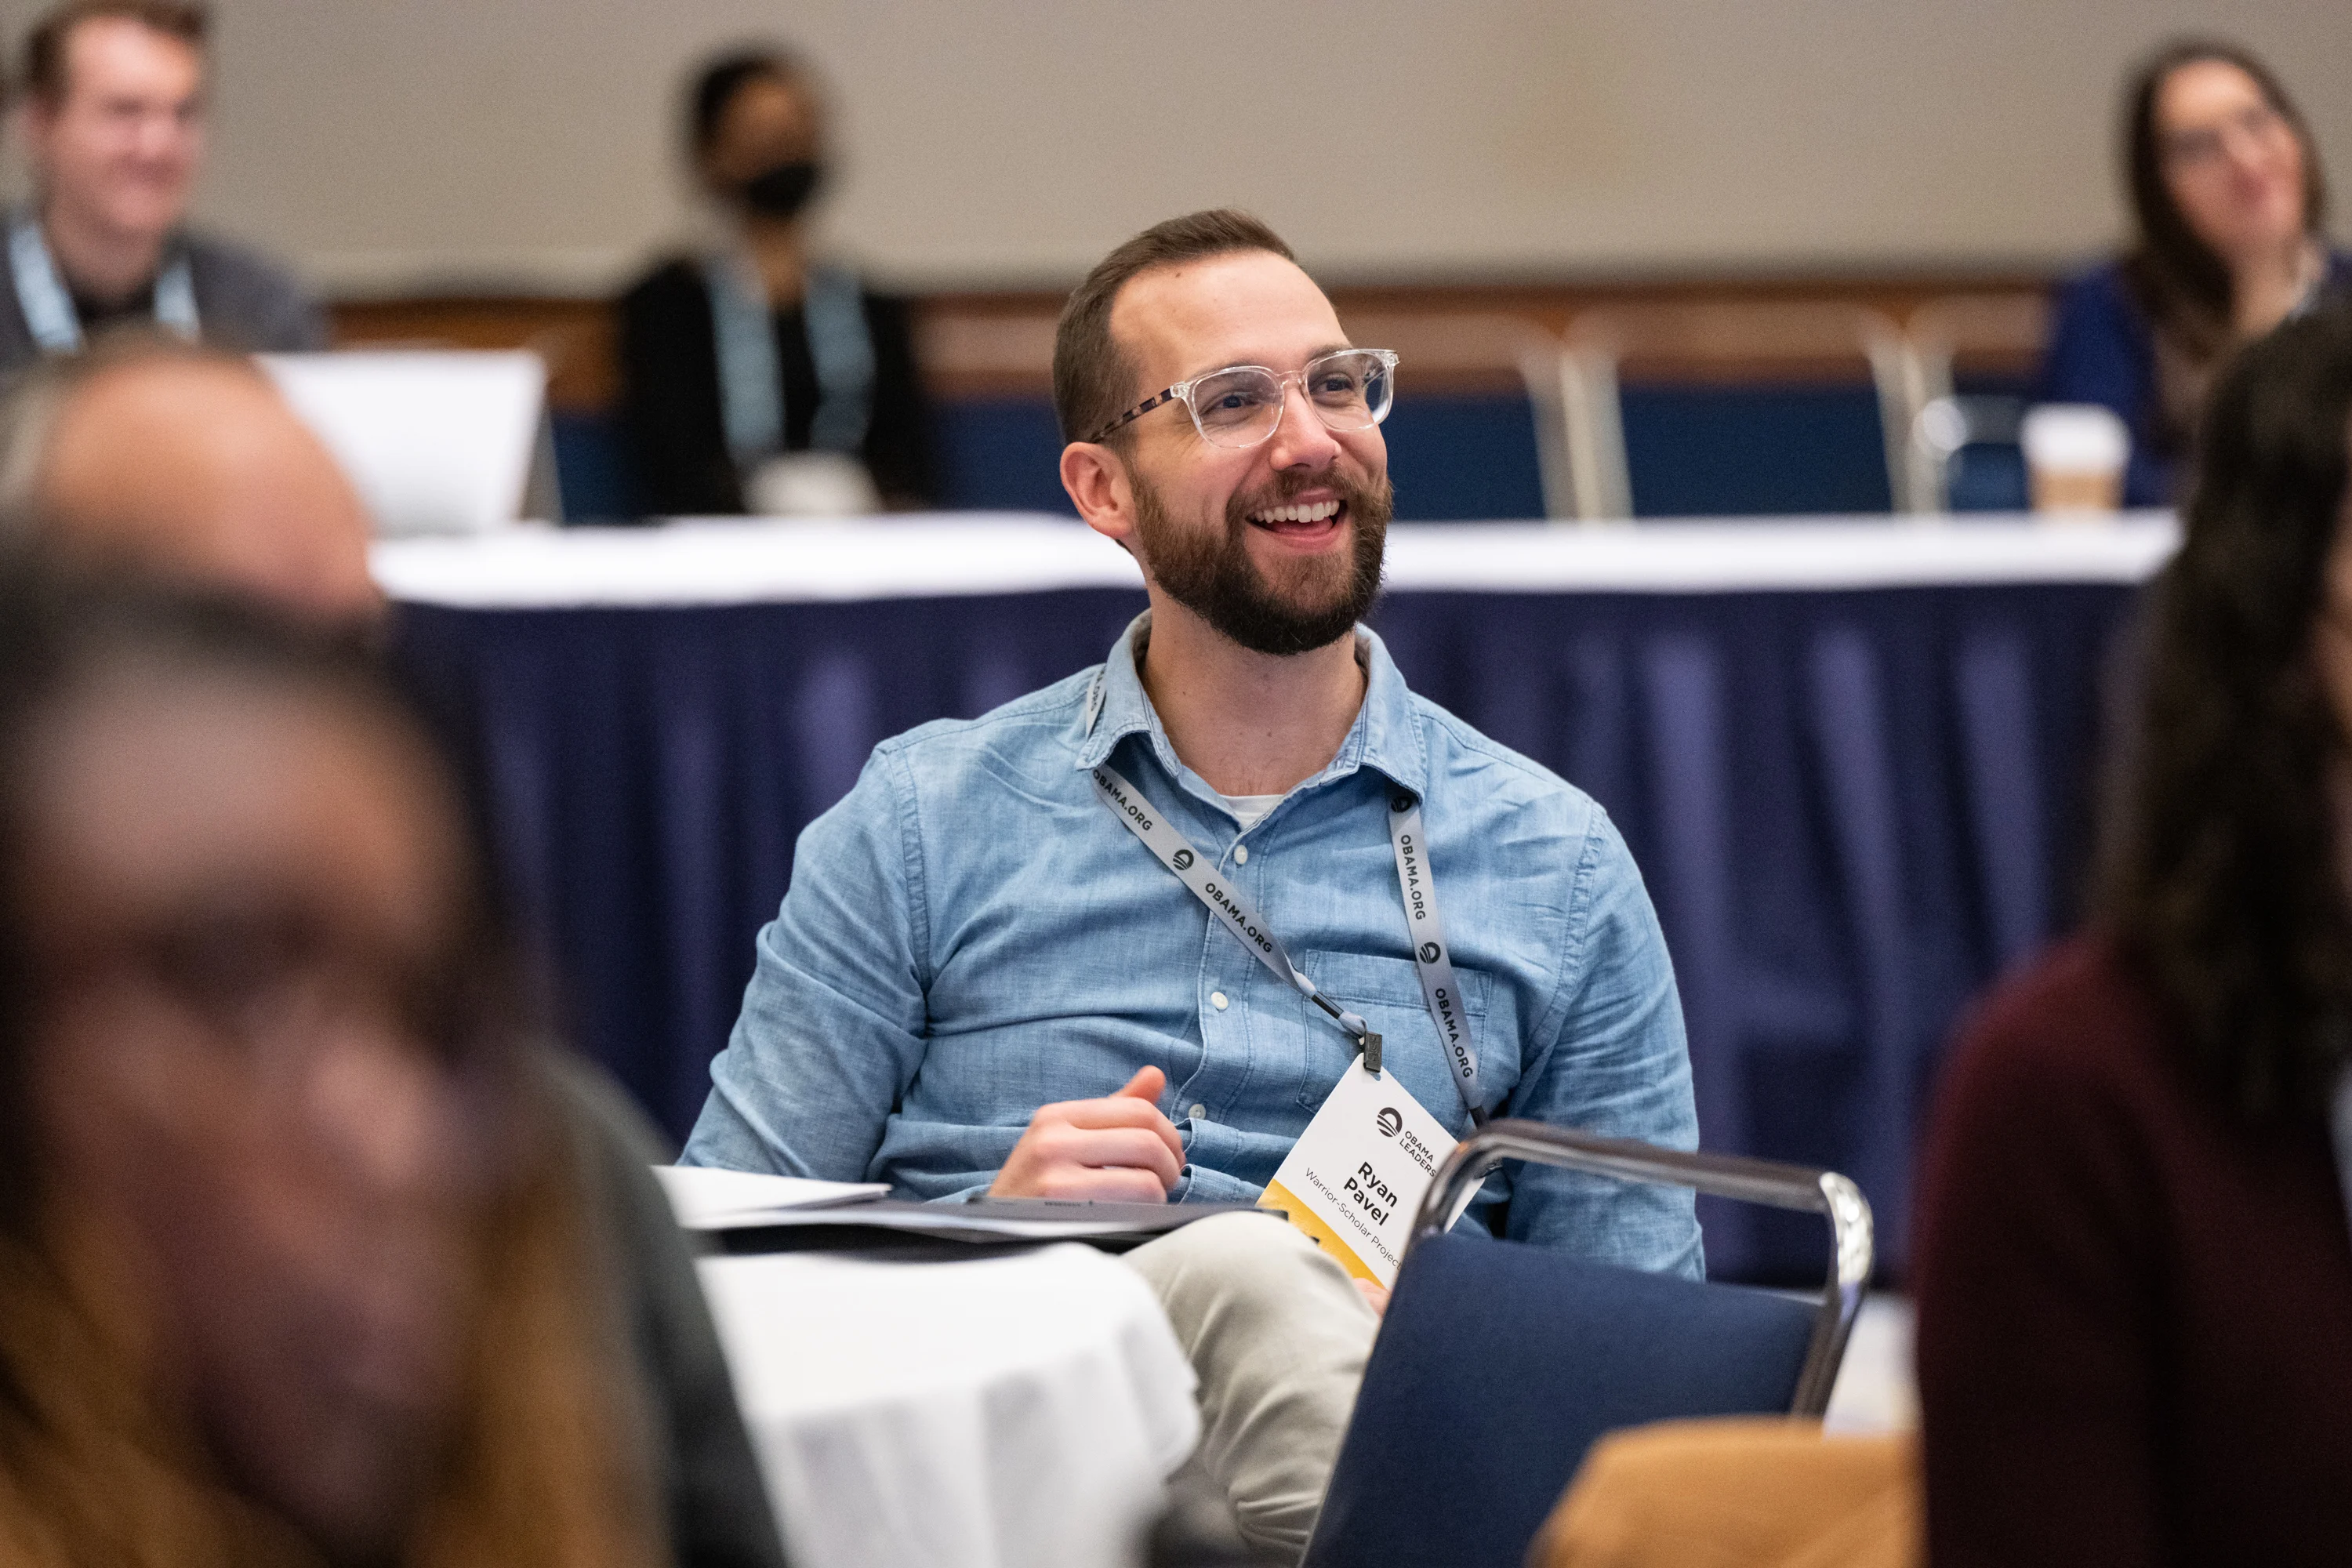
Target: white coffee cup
<point x="2075" y="454"/>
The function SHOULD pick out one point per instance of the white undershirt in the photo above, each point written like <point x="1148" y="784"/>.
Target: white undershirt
<point x="1249" y="808"/>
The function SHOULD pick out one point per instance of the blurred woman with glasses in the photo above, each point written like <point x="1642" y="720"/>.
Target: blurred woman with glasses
<point x="2229" y="206"/>
<point x="297" y="1261"/>
<point x="2132" y="1264"/>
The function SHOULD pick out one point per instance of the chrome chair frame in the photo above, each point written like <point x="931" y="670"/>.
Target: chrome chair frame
<point x="1768" y="1182"/>
<point x="2009" y="322"/>
<point x="1485" y="344"/>
<point x="1600" y="338"/>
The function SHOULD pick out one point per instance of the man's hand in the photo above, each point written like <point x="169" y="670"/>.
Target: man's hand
<point x="1121" y="1149"/>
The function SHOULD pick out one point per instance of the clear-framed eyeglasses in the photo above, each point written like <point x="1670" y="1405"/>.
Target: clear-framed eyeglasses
<point x="1241" y="405"/>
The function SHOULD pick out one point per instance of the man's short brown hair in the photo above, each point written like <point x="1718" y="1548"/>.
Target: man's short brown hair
<point x="42" y="75"/>
<point x="1094" y="380"/>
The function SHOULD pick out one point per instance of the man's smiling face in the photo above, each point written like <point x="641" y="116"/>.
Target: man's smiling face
<point x="1277" y="545"/>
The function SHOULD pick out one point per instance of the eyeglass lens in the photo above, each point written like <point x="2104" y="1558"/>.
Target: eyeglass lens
<point x="1349" y="390"/>
<point x="2202" y="148"/>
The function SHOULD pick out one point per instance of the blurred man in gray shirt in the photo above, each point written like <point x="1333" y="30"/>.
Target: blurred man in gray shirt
<point x="110" y="106"/>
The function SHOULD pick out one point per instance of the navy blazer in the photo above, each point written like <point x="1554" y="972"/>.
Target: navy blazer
<point x="2102" y="349"/>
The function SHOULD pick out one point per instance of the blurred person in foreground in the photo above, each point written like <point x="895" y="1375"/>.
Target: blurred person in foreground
<point x="2230" y="205"/>
<point x="111" y="113"/>
<point x="981" y="982"/>
<point x="1739" y="1491"/>
<point x="755" y="377"/>
<point x="2133" y="1269"/>
<point x="296" y="1261"/>
<point x="153" y="460"/>
<point x="146" y="454"/>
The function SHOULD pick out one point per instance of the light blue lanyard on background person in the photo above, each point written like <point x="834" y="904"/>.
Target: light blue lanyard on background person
<point x="751" y="381"/>
<point x="48" y="306"/>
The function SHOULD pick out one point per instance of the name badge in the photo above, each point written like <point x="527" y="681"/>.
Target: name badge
<point x="1356" y="1177"/>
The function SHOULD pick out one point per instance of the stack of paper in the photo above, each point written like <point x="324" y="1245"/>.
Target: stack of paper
<point x="743" y="1200"/>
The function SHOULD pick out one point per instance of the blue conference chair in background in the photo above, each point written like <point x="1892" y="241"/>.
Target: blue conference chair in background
<point x="1767" y="406"/>
<point x="1964" y="447"/>
<point x="1499" y="1363"/>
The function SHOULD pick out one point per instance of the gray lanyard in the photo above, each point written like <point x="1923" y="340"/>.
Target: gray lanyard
<point x="1430" y="957"/>
<point x="751" y="385"/>
<point x="48" y="308"/>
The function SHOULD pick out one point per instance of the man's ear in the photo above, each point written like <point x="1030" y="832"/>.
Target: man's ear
<point x="1096" y="477"/>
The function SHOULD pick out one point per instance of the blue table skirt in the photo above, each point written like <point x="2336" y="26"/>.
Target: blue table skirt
<point x="1852" y="808"/>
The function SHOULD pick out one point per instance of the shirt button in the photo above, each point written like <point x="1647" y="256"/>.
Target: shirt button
<point x="1217" y="1000"/>
<point x="1241" y="854"/>
<point x="1199" y="1113"/>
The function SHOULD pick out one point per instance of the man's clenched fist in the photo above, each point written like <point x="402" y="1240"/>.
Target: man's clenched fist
<point x="1120" y="1148"/>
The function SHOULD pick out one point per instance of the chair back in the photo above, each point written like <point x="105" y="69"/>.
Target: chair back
<point x="1802" y="339"/>
<point x="2004" y="330"/>
<point x="1483" y="350"/>
<point x="1498" y="1363"/>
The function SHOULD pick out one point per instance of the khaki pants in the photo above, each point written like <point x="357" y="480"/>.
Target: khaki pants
<point x="1277" y="1335"/>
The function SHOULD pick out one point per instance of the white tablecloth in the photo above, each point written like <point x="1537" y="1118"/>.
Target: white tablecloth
<point x="1015" y="1410"/>
<point x="756" y="562"/>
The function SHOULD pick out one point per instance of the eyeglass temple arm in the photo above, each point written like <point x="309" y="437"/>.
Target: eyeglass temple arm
<point x="1165" y="395"/>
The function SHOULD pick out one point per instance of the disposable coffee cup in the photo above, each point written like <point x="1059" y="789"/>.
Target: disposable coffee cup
<point x="2074" y="455"/>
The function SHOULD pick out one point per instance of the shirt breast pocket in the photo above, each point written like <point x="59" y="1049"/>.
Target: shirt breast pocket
<point x="1387" y="992"/>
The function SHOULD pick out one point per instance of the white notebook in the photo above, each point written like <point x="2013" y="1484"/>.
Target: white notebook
<point x="705" y="1199"/>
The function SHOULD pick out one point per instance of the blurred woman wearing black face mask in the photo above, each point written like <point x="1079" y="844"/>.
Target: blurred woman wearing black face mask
<point x="756" y="378"/>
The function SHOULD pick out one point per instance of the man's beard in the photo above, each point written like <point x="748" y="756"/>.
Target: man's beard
<point x="1319" y="598"/>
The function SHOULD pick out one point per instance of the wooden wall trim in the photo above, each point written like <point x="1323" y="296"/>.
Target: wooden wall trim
<point x="1451" y="337"/>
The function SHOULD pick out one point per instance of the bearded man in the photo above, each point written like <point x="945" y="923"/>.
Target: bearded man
<point x="992" y="975"/>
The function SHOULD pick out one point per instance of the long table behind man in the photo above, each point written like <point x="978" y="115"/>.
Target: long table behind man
<point x="1852" y="759"/>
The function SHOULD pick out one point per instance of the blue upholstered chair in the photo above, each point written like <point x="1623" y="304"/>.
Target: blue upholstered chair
<point x="1499" y="1363"/>
<point x="1713" y="438"/>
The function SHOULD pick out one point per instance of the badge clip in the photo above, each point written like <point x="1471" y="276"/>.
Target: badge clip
<point x="1369" y="1044"/>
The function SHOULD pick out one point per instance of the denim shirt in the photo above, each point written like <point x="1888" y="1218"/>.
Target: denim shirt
<point x="971" y="934"/>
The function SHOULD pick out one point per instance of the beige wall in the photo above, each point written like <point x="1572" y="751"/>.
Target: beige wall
<point x="387" y="144"/>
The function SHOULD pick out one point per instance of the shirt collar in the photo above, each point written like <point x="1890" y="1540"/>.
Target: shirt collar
<point x="1383" y="738"/>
